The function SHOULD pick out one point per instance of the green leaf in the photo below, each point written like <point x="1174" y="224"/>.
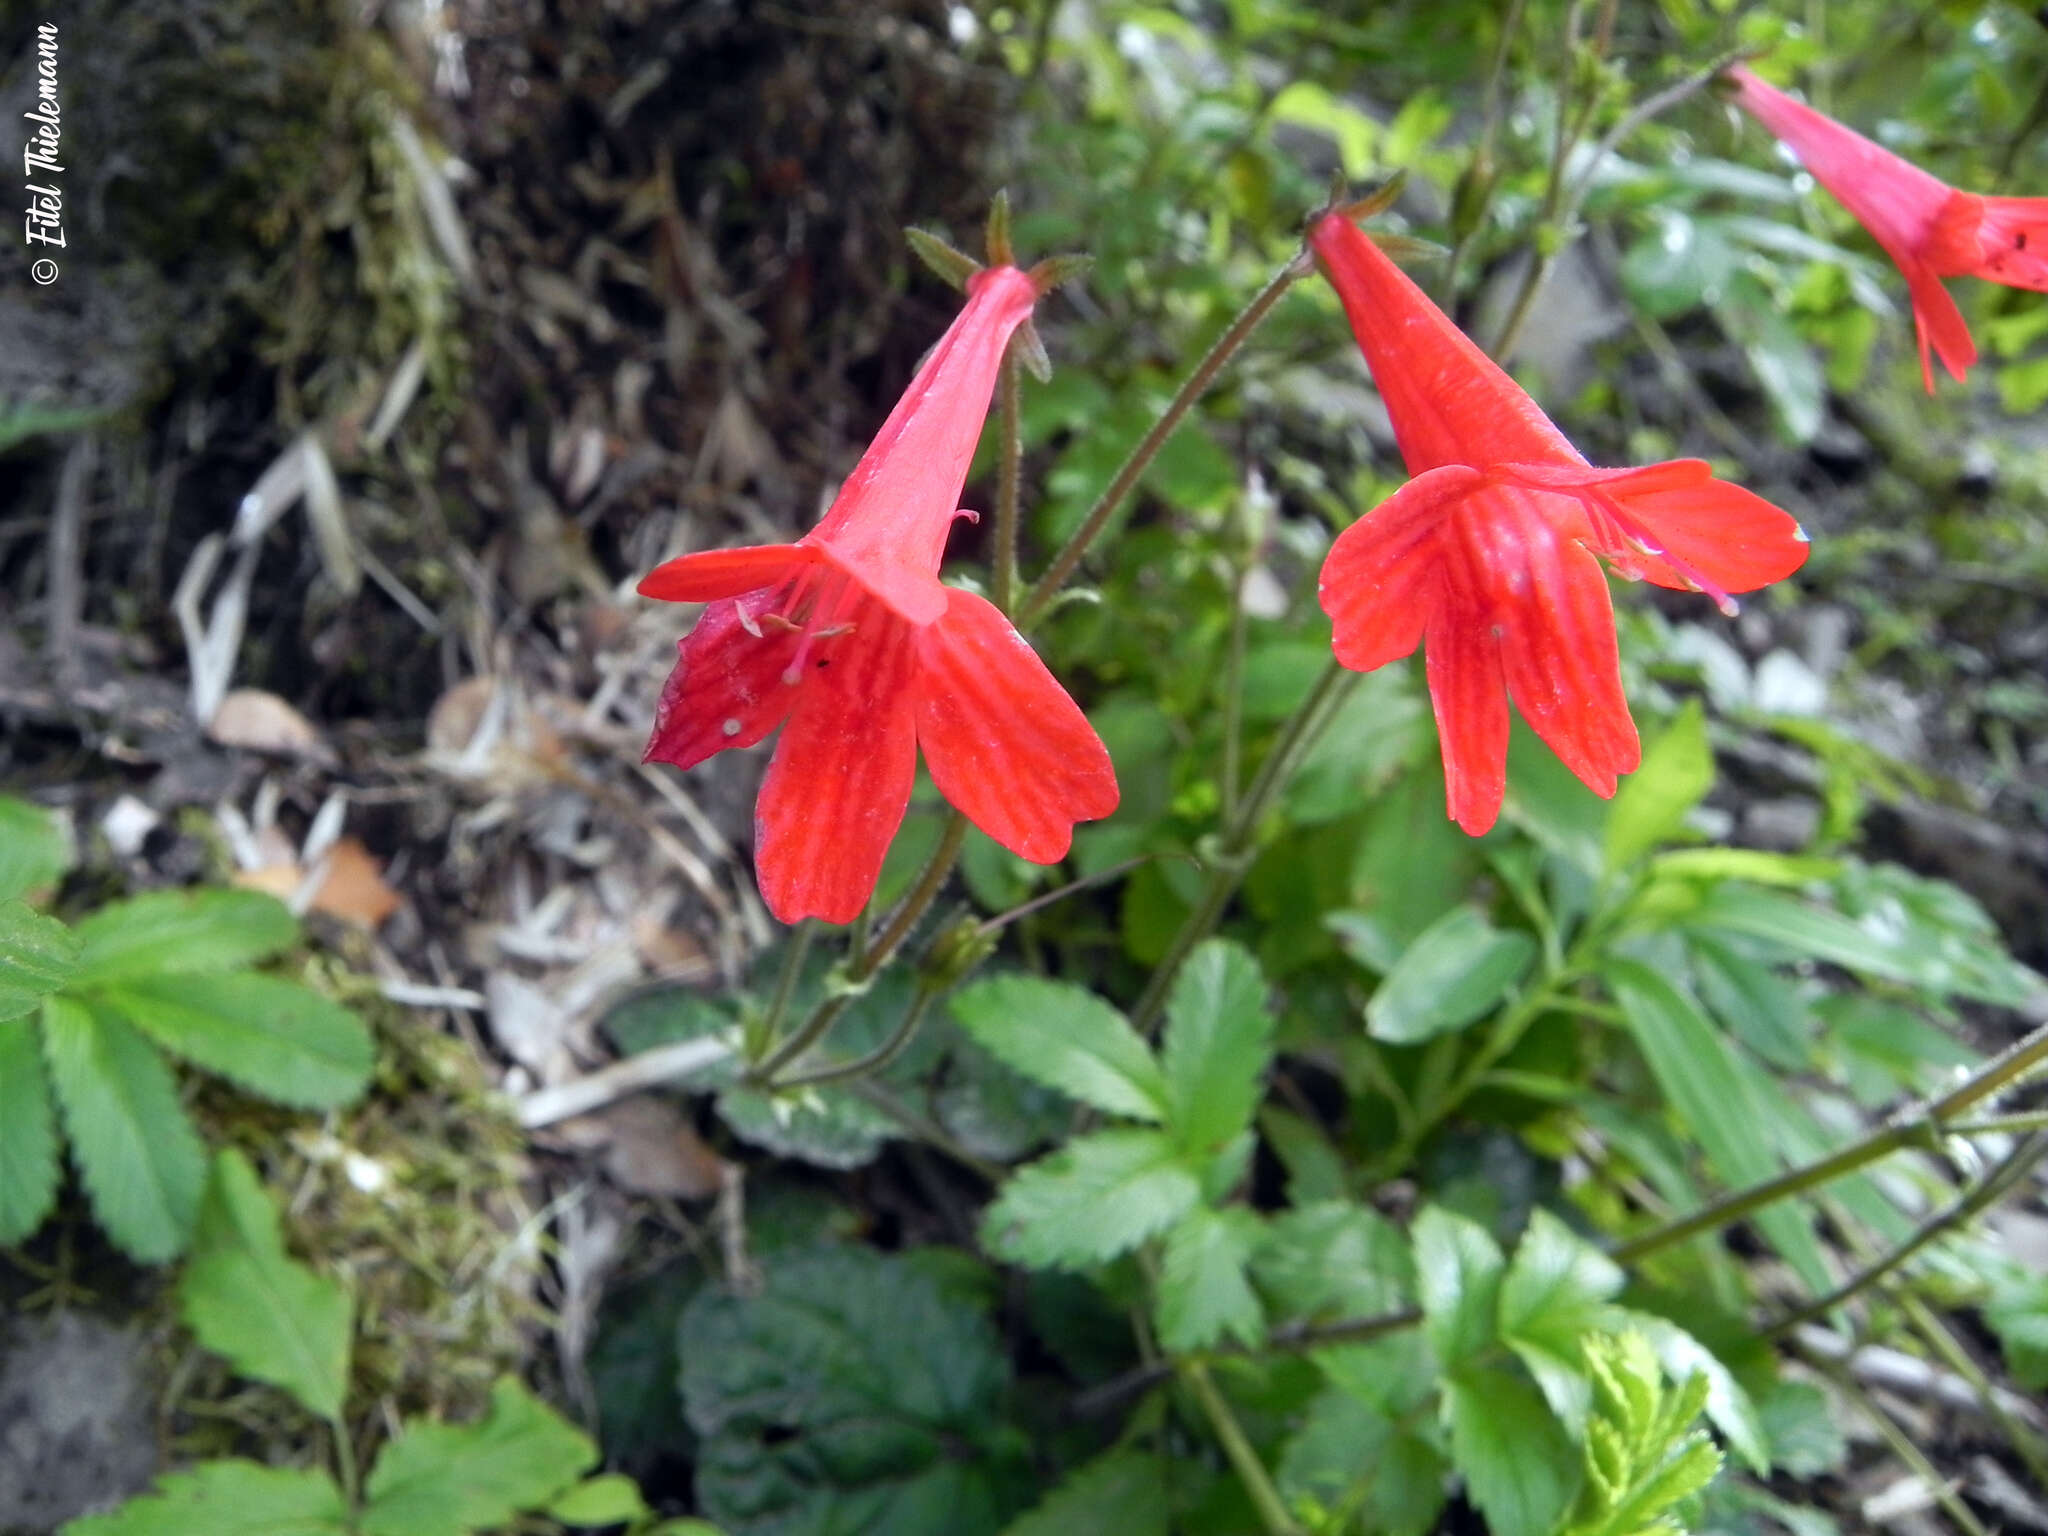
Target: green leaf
<point x="852" y="1394"/>
<point x="1455" y="972"/>
<point x="271" y="1036"/>
<point x="272" y="1319"/>
<point x="1218" y="1042"/>
<point x="139" y="1158"/>
<point x="1653" y="802"/>
<point x="1800" y="1428"/>
<point x="1333" y="1259"/>
<point x="167" y="932"/>
<point x="34" y="852"/>
<point x="1458" y="1274"/>
<point x="1347" y="1456"/>
<point x="38" y="955"/>
<point x="1067" y="1038"/>
<point x="1798" y="928"/>
<point x="1731" y="1408"/>
<point x="1203" y="1293"/>
<point x="1095" y="1198"/>
<point x="1519" y="1466"/>
<point x="611" y="1498"/>
<point x="450" y="1479"/>
<point x="28" y="1136"/>
<point x="1757" y="1004"/>
<point x="1554" y="1294"/>
<point x="1699" y="1077"/>
<point x="228" y="1498"/>
<point x="1119" y="1493"/>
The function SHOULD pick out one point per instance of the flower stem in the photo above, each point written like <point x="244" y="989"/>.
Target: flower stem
<point x="1009" y="467"/>
<point x="875" y="1060"/>
<point x="785" y="984"/>
<point x="878" y="953"/>
<point x="1244" y="1460"/>
<point x="1232" y="857"/>
<point x="1141" y="457"/>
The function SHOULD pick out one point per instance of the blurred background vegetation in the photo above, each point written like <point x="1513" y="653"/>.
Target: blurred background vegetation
<point x="392" y="344"/>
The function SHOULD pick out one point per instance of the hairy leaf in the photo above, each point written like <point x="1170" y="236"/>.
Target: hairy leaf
<point x="34" y="852"/>
<point x="1090" y="1201"/>
<point x="228" y="1498"/>
<point x="450" y="1479"/>
<point x="1203" y="1293"/>
<point x="38" y="955"/>
<point x="1067" y="1038"/>
<point x="1518" y="1465"/>
<point x="1119" y="1493"/>
<point x="270" y="1036"/>
<point x="1217" y="1045"/>
<point x="1458" y="1272"/>
<point x="852" y="1394"/>
<point x="139" y="1158"/>
<point x="168" y="932"/>
<point x="28" y="1135"/>
<point x="244" y="1299"/>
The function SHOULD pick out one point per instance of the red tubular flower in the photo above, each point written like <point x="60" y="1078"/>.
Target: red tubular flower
<point x="1929" y="228"/>
<point x="849" y="641"/>
<point x="1486" y="557"/>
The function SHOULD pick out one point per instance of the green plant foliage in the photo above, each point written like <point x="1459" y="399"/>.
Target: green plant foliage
<point x="852" y="1393"/>
<point x="1120" y="1493"/>
<point x="448" y="1479"/>
<point x="1644" y="1458"/>
<point x="34" y="852"/>
<point x="229" y="1498"/>
<point x="163" y="971"/>
<point x="1066" y="1038"/>
<point x="1098" y="1196"/>
<point x="270" y="1318"/>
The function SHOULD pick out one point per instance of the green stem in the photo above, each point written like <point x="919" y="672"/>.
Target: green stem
<point x="1482" y="156"/>
<point x="908" y="913"/>
<point x="1244" y="1460"/>
<point x="1126" y="478"/>
<point x="1009" y="468"/>
<point x="785" y="984"/>
<point x="1920" y="1124"/>
<point x="1233" y="694"/>
<point x="1902" y="1446"/>
<point x="349" y="1474"/>
<point x="874" y="1061"/>
<point x="1232" y="859"/>
<point x="2010" y="1170"/>
<point x="2025" y="1441"/>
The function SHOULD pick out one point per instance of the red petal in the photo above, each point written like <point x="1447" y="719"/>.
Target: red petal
<point x="726" y="691"/>
<point x="1682" y="528"/>
<point x="1003" y="741"/>
<point x="836" y="791"/>
<point x="1939" y="324"/>
<point x="716" y="573"/>
<point x="2012" y="237"/>
<point x="1559" y="656"/>
<point x="1382" y="580"/>
<point x="1471" y="702"/>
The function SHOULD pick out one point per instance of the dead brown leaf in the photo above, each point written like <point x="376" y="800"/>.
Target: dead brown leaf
<point x="258" y="721"/>
<point x="353" y="889"/>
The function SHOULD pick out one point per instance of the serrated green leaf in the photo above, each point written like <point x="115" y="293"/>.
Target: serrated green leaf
<point x="137" y="1154"/>
<point x="1519" y="1466"/>
<point x="1728" y="1405"/>
<point x="175" y="932"/>
<point x="610" y="1498"/>
<point x="1333" y="1259"/>
<point x="1066" y="1038"/>
<point x="38" y="956"/>
<point x="28" y="1135"/>
<point x="1800" y="1427"/>
<point x="1458" y="1270"/>
<point x="1095" y="1198"/>
<point x="450" y="1479"/>
<point x="1456" y="971"/>
<point x="1119" y="1493"/>
<point x="1693" y="1067"/>
<point x="1217" y="1045"/>
<point x="852" y="1394"/>
<point x="1204" y="1295"/>
<point x="244" y="1299"/>
<point x="1653" y="802"/>
<point x="228" y="1498"/>
<point x="1347" y="1456"/>
<point x="271" y="1036"/>
<point x="34" y="852"/>
<point x="1555" y="1293"/>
